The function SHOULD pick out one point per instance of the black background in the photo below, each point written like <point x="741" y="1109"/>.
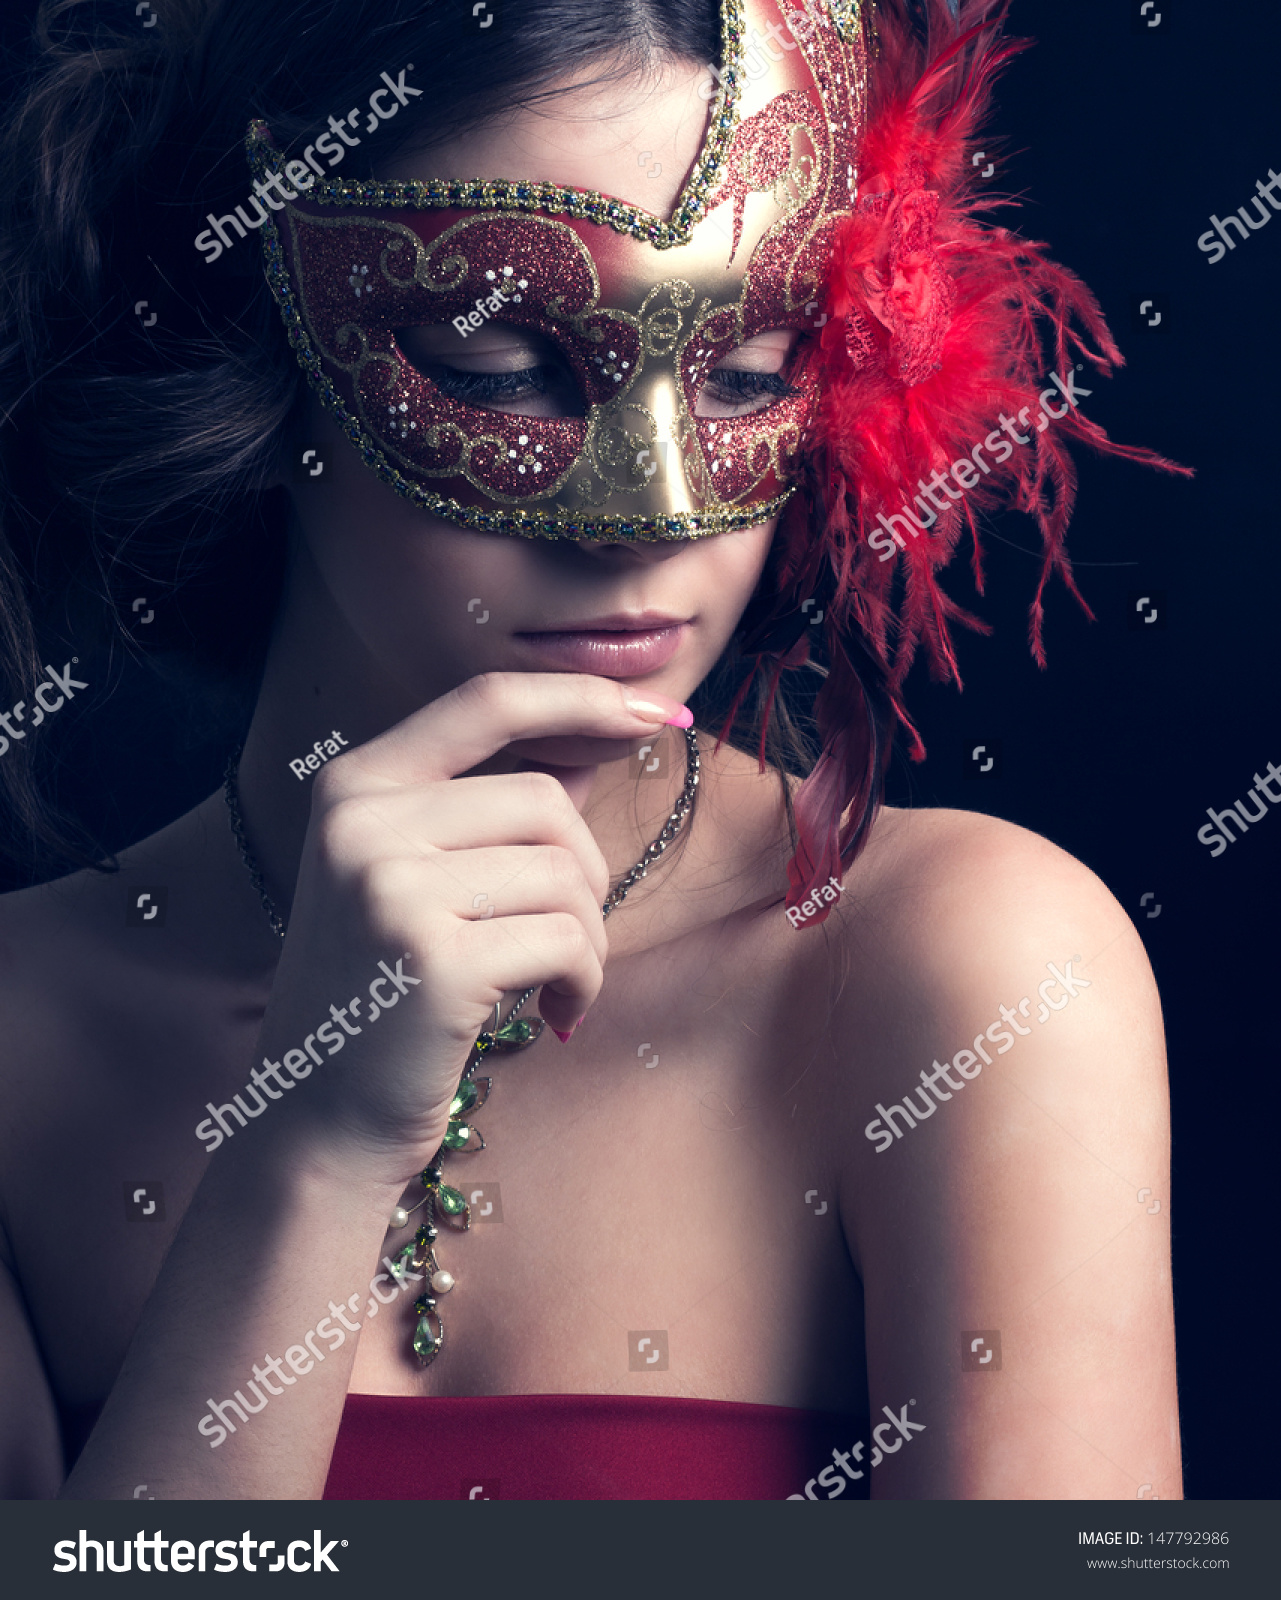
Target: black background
<point x="1123" y="142"/>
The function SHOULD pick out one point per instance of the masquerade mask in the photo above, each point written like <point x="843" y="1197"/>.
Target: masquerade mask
<point x="641" y="309"/>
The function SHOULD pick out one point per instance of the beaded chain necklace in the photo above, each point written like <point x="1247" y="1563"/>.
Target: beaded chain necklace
<point x="444" y="1203"/>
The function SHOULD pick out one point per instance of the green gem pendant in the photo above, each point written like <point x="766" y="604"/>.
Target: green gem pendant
<point x="429" y="1335"/>
<point x="454" y="1206"/>
<point x="405" y="1259"/>
<point x="446" y="1202"/>
<point x="468" y="1096"/>
<point x="515" y="1035"/>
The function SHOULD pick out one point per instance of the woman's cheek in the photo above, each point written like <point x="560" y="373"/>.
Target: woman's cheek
<point x="425" y="599"/>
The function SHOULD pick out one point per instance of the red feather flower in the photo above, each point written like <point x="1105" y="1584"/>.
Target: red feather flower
<point x="944" y="331"/>
<point x="903" y="287"/>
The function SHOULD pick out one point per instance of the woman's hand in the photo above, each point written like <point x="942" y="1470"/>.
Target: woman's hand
<point x="423" y="897"/>
<point x="401" y="864"/>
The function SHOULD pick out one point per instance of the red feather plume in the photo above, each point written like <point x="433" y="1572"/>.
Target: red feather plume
<point x="938" y="325"/>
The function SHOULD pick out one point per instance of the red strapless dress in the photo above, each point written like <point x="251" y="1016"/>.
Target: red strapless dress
<point x="580" y="1447"/>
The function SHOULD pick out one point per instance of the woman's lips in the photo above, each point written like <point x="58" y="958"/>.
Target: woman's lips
<point x="606" y="652"/>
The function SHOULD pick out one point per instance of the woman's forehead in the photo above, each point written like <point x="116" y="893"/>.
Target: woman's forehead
<point x="634" y="140"/>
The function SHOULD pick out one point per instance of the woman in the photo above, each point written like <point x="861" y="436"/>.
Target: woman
<point x="611" y="397"/>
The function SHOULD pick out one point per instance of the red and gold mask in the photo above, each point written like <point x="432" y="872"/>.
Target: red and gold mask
<point x="641" y="308"/>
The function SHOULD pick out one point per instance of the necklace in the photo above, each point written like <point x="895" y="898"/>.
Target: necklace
<point x="444" y="1204"/>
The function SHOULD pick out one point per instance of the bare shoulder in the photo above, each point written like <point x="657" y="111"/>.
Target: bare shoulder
<point x="966" y="866"/>
<point x="104" y="975"/>
<point x="159" y="910"/>
<point x="943" y="900"/>
<point x="54" y="965"/>
<point x="965" y="931"/>
<point x="1004" y="1126"/>
<point x="67" y="940"/>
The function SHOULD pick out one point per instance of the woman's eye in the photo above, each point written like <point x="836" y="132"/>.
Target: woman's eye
<point x="535" y="391"/>
<point x="498" y="369"/>
<point x="487" y="388"/>
<point x="731" y="392"/>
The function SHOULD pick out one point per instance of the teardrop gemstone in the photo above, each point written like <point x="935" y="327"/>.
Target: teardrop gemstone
<point x="427" y="1339"/>
<point x="517" y="1033"/>
<point x="464" y="1100"/>
<point x="404" y="1259"/>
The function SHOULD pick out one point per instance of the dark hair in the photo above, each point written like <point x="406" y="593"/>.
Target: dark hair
<point x="133" y="453"/>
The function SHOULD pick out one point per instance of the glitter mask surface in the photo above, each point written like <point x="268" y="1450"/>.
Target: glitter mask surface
<point x="640" y="308"/>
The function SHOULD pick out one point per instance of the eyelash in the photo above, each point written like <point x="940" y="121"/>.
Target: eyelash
<point x="484" y="388"/>
<point x="751" y="385"/>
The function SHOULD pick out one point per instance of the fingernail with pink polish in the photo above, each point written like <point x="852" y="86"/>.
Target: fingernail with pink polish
<point x="563" y="1037"/>
<point x="660" y="709"/>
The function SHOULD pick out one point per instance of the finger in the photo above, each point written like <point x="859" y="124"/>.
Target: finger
<point x="551" y="950"/>
<point x="518" y="881"/>
<point x="519" y="808"/>
<point x="489" y="712"/>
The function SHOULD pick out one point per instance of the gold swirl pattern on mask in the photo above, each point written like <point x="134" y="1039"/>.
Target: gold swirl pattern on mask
<point x="575" y="463"/>
<point x="539" y="524"/>
<point x="798" y="151"/>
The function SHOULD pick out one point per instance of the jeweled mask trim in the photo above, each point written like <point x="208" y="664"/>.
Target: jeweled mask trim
<point x="710" y="175"/>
